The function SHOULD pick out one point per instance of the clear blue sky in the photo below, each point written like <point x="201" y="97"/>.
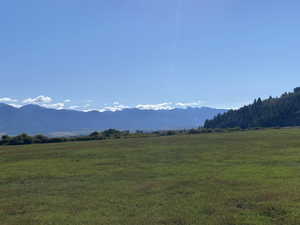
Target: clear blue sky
<point x="223" y="53"/>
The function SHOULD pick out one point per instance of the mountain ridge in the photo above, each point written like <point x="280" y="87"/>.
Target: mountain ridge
<point x="281" y="111"/>
<point x="35" y="119"/>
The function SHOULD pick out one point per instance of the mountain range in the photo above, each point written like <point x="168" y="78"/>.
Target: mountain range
<point x="34" y="119"/>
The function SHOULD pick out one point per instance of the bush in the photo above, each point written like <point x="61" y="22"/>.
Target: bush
<point x="22" y="139"/>
<point x="171" y="132"/>
<point x="5" y="139"/>
<point x="94" y="134"/>
<point x="40" y="139"/>
<point x="111" y="133"/>
<point x="194" y="131"/>
<point x="57" y="140"/>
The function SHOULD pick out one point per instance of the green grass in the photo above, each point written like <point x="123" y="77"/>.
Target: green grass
<point x="238" y="178"/>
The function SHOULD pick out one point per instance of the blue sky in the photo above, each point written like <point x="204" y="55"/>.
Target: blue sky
<point x="99" y="53"/>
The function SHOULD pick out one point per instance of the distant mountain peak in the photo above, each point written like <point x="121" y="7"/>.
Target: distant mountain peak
<point x="6" y="106"/>
<point x="31" y="106"/>
<point x="34" y="119"/>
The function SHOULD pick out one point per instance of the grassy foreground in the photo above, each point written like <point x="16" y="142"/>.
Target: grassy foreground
<point x="237" y="178"/>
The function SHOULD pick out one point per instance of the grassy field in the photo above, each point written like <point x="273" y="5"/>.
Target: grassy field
<point x="238" y="178"/>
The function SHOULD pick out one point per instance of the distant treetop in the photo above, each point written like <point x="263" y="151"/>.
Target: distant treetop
<point x="272" y="112"/>
<point x="297" y="89"/>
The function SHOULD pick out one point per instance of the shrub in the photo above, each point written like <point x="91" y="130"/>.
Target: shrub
<point x="40" y="139"/>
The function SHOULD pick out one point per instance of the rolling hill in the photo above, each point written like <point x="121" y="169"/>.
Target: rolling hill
<point x="272" y="112"/>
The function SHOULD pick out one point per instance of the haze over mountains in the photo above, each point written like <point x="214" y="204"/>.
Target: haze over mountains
<point x="34" y="119"/>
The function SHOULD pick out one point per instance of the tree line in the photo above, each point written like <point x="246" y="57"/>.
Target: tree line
<point x="25" y="139"/>
<point x="281" y="111"/>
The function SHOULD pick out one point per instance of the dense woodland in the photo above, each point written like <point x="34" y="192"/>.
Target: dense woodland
<point x="273" y="112"/>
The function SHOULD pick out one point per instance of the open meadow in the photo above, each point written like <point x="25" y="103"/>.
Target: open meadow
<point x="238" y="178"/>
